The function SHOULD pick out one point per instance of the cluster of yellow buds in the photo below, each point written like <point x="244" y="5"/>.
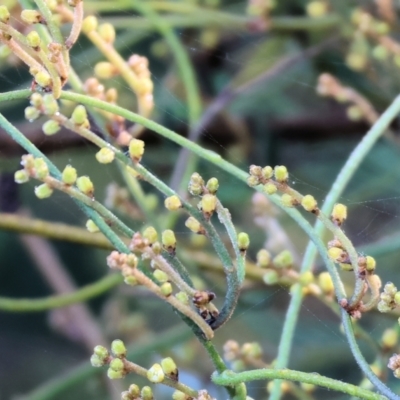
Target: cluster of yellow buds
<point x="389" y="298"/>
<point x="358" y="106"/>
<point x="249" y="354"/>
<point x="125" y="263"/>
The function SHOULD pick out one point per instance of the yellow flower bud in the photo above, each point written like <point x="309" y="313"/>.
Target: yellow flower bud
<point x="41" y="168"/>
<point x="31" y="16"/>
<point x="155" y="374"/>
<point x="168" y="240"/>
<point x="309" y="203"/>
<point x="339" y="213"/>
<point x="317" y="9"/>
<point x="183" y="298"/>
<point x="283" y="260"/>
<point x="150" y="234"/>
<point x="281" y="173"/>
<point x="371" y="263"/>
<point x="50" y="127"/>
<point x="49" y="103"/>
<point x="91" y="226"/>
<point x="79" y="115"/>
<point x="194" y="225"/>
<point x="208" y="203"/>
<point x="287" y="200"/>
<point x="267" y="172"/>
<point x="335" y="254"/>
<point x="212" y="185"/>
<point x="85" y="185"/>
<point x="43" y="79"/>
<point x="166" y="289"/>
<point x="170" y="369"/>
<point x="253" y="180"/>
<point x="136" y="149"/>
<point x="118" y="348"/>
<point x="270" y="277"/>
<point x="107" y="32"/>
<point x="172" y="203"/>
<point x="31" y="113"/>
<point x="21" y="176"/>
<point x="105" y="156"/>
<point x="389" y="338"/>
<point x="89" y="24"/>
<point x="161" y="276"/>
<point x="4" y="14"/>
<point x="263" y="258"/>
<point x="33" y="39"/>
<point x="146" y="393"/>
<point x="243" y="241"/>
<point x="43" y="191"/>
<point x="105" y="70"/>
<point x="255" y="170"/>
<point x="325" y="282"/>
<point x="270" y="188"/>
<point x="69" y="175"/>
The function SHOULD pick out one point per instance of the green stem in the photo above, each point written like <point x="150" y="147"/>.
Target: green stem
<point x="231" y="378"/>
<point x="48" y="303"/>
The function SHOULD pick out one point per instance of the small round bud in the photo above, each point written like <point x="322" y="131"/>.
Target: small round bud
<point x="339" y="213"/>
<point x="371" y="263"/>
<point x="390" y="288"/>
<point x="79" y="115"/>
<point x="134" y="390"/>
<point x="325" y="282"/>
<point x="101" y="352"/>
<point x="96" y="361"/>
<point x="155" y="374"/>
<point x="172" y="203"/>
<point x="43" y="79"/>
<point x="91" y="226"/>
<point x="31" y="113"/>
<point x="194" y="225"/>
<point x="255" y="170"/>
<point x="118" y="348"/>
<point x="150" y="234"/>
<point x="169" y="367"/>
<point x="389" y="339"/>
<point x="178" y="395"/>
<point x="183" y="298"/>
<point x="212" y="185"/>
<point x="33" y="39"/>
<point x="21" y="176"/>
<point x="41" y="168"/>
<point x="306" y="278"/>
<point x="105" y="156"/>
<point x="146" y="393"/>
<point x="267" y="172"/>
<point x="270" y="277"/>
<point x="281" y="173"/>
<point x="69" y="175"/>
<point x="85" y="185"/>
<point x="43" y="191"/>
<point x="243" y="241"/>
<point x="166" y="289"/>
<point x="131" y="280"/>
<point x="112" y="374"/>
<point x="161" y="276"/>
<point x="50" y="127"/>
<point x="263" y="258"/>
<point x="253" y="180"/>
<point x="36" y="100"/>
<point x="252" y="350"/>
<point x="107" y="32"/>
<point x="105" y="70"/>
<point x="4" y="14"/>
<point x="270" y="188"/>
<point x="168" y="240"/>
<point x="208" y="203"/>
<point x="49" y="103"/>
<point x="317" y="9"/>
<point x="196" y="184"/>
<point x="336" y="254"/>
<point x="283" y="260"/>
<point x="89" y="24"/>
<point x="288" y="200"/>
<point x="136" y="149"/>
<point x="309" y="203"/>
<point x="354" y="113"/>
<point x="31" y="16"/>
